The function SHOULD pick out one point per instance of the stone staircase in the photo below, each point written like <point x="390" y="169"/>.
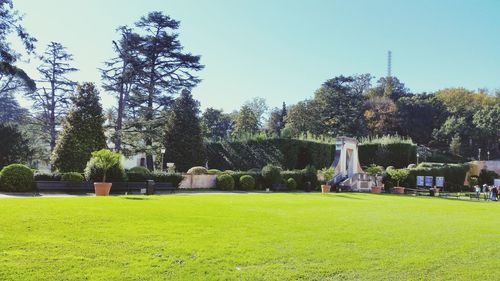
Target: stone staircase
<point x="360" y="182"/>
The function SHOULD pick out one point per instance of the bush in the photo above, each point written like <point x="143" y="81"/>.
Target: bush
<point x="47" y="176"/>
<point x="198" y="170"/>
<point x="237" y="176"/>
<point x="225" y="182"/>
<point x="296" y="175"/>
<point x="16" y="178"/>
<point x="138" y="174"/>
<point x="247" y="182"/>
<point x="311" y="176"/>
<point x="398" y="175"/>
<point x="271" y="175"/>
<point x="173" y="178"/>
<point x="412" y="166"/>
<point x="291" y="184"/>
<point x="115" y="174"/>
<point x="213" y="172"/>
<point x="72" y="176"/>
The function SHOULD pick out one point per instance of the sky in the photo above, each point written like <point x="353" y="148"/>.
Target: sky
<point x="283" y="50"/>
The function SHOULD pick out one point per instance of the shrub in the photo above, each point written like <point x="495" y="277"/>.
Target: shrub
<point x="327" y="174"/>
<point x="103" y="162"/>
<point x="296" y="175"/>
<point x="389" y="168"/>
<point x="138" y="174"/>
<point x="291" y="184"/>
<point x="72" y="176"/>
<point x="398" y="175"/>
<point x="247" y="182"/>
<point x="237" y="176"/>
<point x="374" y="170"/>
<point x="412" y="166"/>
<point x="198" y="170"/>
<point x="388" y="150"/>
<point x="173" y="178"/>
<point x="14" y="148"/>
<point x="225" y="182"/>
<point x="311" y="176"/>
<point x="47" y="176"/>
<point x="271" y="175"/>
<point x="213" y="172"/>
<point x="16" y="178"/>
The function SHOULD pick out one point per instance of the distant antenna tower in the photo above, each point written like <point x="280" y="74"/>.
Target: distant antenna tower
<point x="389" y="64"/>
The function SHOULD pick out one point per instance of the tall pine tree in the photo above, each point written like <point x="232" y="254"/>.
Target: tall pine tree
<point x="183" y="138"/>
<point x="82" y="132"/>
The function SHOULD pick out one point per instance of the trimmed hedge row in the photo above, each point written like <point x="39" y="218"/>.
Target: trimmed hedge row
<point x="454" y="176"/>
<point x="399" y="155"/>
<point x="289" y="154"/>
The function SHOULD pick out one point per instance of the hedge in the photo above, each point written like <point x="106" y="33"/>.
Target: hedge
<point x="399" y="155"/>
<point x="454" y="176"/>
<point x="173" y="178"/>
<point x="289" y="154"/>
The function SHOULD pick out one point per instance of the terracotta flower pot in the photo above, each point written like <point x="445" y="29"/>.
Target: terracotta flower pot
<point x="325" y="188"/>
<point x="102" y="188"/>
<point x="398" y="190"/>
<point x="376" y="189"/>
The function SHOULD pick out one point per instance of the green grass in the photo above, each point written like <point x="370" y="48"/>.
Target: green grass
<point x="249" y="237"/>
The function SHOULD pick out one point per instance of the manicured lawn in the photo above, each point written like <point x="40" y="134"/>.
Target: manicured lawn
<point x="249" y="237"/>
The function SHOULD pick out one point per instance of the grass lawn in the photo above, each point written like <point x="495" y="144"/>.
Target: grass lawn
<point x="249" y="237"/>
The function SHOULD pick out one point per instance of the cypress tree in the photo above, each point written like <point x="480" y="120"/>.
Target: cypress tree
<point x="82" y="132"/>
<point x="183" y="138"/>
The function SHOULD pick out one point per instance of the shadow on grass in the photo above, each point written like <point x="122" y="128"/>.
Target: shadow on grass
<point x="136" y="198"/>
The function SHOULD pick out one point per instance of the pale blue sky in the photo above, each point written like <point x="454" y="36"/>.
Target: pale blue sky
<point x="283" y="50"/>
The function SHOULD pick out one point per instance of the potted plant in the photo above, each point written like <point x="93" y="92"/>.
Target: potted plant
<point x="375" y="171"/>
<point x="326" y="175"/>
<point x="398" y="175"/>
<point x="104" y="160"/>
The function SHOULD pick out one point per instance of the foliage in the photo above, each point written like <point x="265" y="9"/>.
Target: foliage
<point x="287" y="153"/>
<point x="225" y="182"/>
<point x="16" y="178"/>
<point x="198" y="170"/>
<point x="487" y="177"/>
<point x="51" y="100"/>
<point x="247" y="182"/>
<point x="398" y="175"/>
<point x="182" y="139"/>
<point x="14" y="147"/>
<point x="387" y="151"/>
<point x="246" y="122"/>
<point x="82" y="132"/>
<point x="215" y="124"/>
<point x="105" y="164"/>
<point x="174" y="178"/>
<point x="380" y="116"/>
<point x="454" y="175"/>
<point x="72" y="176"/>
<point x="291" y="184"/>
<point x="213" y="172"/>
<point x="162" y="69"/>
<point x="47" y="176"/>
<point x="138" y="174"/>
<point x="276" y="121"/>
<point x="375" y="169"/>
<point x="259" y="108"/>
<point x="271" y="175"/>
<point x="327" y="174"/>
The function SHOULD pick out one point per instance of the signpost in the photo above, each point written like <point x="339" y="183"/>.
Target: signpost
<point x="420" y="181"/>
<point x="429" y="181"/>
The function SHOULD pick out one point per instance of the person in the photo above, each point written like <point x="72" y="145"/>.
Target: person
<point x="477" y="189"/>
<point x="494" y="193"/>
<point x="486" y="191"/>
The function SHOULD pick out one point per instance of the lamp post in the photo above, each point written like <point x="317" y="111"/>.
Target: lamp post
<point x="418" y="155"/>
<point x="479" y="154"/>
<point x="162" y="157"/>
<point x="488" y="155"/>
